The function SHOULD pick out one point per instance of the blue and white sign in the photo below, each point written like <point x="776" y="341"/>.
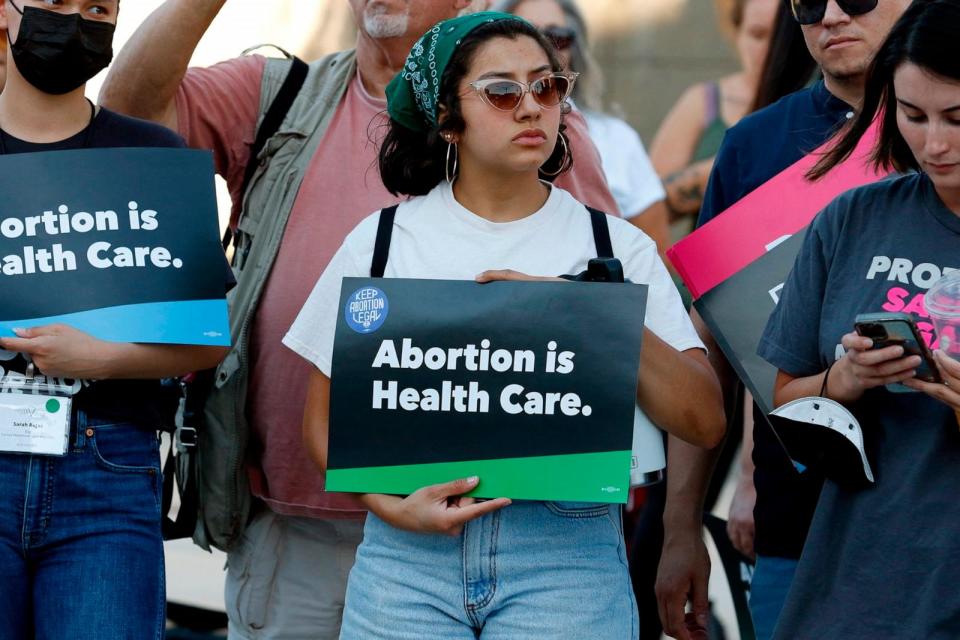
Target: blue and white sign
<point x="132" y="257"/>
<point x="366" y="310"/>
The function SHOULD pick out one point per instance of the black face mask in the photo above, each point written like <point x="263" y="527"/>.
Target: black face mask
<point x="58" y="53"/>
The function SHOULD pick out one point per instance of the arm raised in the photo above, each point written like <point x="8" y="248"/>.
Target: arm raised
<point x="144" y="77"/>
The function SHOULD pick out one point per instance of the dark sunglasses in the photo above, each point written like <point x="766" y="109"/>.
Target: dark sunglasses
<point x="560" y="37"/>
<point x="812" y="11"/>
<point x="506" y="95"/>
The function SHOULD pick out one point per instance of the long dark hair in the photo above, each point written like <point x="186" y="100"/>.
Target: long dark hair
<point x="927" y="36"/>
<point x="788" y="66"/>
<point x="412" y="162"/>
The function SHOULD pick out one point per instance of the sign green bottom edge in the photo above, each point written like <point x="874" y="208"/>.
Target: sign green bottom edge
<point x="581" y="477"/>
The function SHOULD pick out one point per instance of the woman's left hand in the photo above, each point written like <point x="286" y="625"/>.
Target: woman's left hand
<point x="947" y="392"/>
<point x="509" y="274"/>
<point x="60" y="351"/>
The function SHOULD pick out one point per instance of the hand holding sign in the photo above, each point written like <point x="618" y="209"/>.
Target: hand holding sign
<point x="133" y="259"/>
<point x="60" y="351"/>
<point x="515" y="276"/>
<point x="439" y="508"/>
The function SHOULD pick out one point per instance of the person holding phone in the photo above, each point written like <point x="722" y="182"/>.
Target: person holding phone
<point x="878" y="562"/>
<point x="81" y="551"/>
<point x="473" y="144"/>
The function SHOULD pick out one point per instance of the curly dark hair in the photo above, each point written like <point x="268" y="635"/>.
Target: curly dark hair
<point x="413" y="162"/>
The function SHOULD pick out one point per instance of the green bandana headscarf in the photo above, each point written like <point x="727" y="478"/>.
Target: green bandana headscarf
<point x="413" y="95"/>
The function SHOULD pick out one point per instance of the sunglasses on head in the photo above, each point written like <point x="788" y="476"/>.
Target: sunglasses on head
<point x="506" y="95"/>
<point x="812" y="11"/>
<point x="560" y="37"/>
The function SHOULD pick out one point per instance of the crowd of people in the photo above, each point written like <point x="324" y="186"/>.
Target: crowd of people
<point x="489" y="165"/>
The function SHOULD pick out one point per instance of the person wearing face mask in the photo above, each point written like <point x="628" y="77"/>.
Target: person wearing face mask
<point x="80" y="540"/>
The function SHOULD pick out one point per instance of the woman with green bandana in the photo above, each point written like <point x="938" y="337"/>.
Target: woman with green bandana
<point x="475" y="134"/>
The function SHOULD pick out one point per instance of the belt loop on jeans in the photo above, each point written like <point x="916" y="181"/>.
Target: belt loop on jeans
<point x="78" y="427"/>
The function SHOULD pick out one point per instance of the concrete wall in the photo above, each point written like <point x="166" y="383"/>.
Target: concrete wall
<point x="651" y="50"/>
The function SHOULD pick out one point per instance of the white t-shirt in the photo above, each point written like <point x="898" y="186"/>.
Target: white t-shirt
<point x="631" y="177"/>
<point x="435" y="237"/>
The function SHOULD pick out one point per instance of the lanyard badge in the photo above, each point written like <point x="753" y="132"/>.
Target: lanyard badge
<point x="34" y="415"/>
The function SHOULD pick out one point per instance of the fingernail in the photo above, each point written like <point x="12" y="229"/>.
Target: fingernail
<point x="19" y="331"/>
<point x="473" y="480"/>
<point x="702" y="619"/>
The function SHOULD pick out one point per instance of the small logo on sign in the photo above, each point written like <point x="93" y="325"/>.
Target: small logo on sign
<point x="366" y="310"/>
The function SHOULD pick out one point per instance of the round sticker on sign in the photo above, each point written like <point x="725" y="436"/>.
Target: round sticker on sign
<point x="366" y="309"/>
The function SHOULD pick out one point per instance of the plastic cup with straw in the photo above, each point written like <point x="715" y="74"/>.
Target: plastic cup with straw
<point x="943" y="305"/>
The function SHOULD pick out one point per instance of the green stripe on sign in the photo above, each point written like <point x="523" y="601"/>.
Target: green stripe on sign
<point x="582" y="477"/>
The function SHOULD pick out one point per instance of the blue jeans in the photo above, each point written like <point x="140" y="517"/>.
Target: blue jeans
<point x="768" y="591"/>
<point x="81" y="553"/>
<point x="531" y="570"/>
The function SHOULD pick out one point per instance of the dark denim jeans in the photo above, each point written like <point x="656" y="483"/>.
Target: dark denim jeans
<point x="768" y="592"/>
<point x="81" y="554"/>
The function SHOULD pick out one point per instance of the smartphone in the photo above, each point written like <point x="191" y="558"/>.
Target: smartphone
<point x="890" y="329"/>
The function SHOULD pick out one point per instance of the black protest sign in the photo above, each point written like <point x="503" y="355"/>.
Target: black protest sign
<point x="737" y="310"/>
<point x="120" y="243"/>
<point x="529" y="385"/>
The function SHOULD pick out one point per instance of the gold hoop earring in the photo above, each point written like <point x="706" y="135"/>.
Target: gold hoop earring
<point x="564" y="163"/>
<point x="452" y="175"/>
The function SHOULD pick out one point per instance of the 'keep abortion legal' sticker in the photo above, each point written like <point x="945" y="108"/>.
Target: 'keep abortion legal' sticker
<point x="366" y="310"/>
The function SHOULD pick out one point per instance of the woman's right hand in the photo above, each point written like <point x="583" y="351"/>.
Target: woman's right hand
<point x="863" y="367"/>
<point x="439" y="508"/>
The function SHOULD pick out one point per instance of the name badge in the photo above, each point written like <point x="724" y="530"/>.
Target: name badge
<point x="37" y="424"/>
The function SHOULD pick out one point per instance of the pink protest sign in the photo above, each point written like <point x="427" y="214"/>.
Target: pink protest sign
<point x="777" y="209"/>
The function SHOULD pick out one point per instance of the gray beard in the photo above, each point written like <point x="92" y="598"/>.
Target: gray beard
<point x="380" y="25"/>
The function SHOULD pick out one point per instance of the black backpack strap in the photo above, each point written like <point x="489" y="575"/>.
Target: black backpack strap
<point x="601" y="233"/>
<point x="272" y="120"/>
<point x="381" y="248"/>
